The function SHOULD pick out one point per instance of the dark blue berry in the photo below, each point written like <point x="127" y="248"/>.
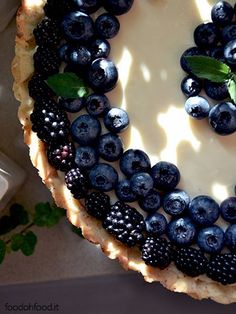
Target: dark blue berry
<point x="118" y="7"/>
<point x="134" y="161"/>
<point x="102" y="75"/>
<point x="211" y="239"/>
<point x="228" y="33"/>
<point x="86" y="157"/>
<point x="217" y="53"/>
<point x="193" y="51"/>
<point x="141" y="184"/>
<point x="99" y="48"/>
<point x="123" y="191"/>
<point x="87" y="6"/>
<point x="216" y="91"/>
<point x="107" y="25"/>
<point x="97" y="105"/>
<point x="71" y="105"/>
<point x="103" y="177"/>
<point x="222" y="13"/>
<point x="63" y="52"/>
<point x="222" y="118"/>
<point x="165" y="175"/>
<point x="85" y="130"/>
<point x="191" y="86"/>
<point x="116" y="120"/>
<point x="78" y="27"/>
<point x="228" y="209"/>
<point x="176" y="202"/>
<point x="203" y="210"/>
<point x="151" y="203"/>
<point x="230" y="52"/>
<point x="230" y="238"/>
<point x="110" y="147"/>
<point x="156" y="224"/>
<point x="181" y="231"/>
<point x="206" y="35"/>
<point x="79" y="57"/>
<point x="197" y="107"/>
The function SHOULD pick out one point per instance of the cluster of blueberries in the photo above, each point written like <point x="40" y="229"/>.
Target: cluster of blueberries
<point x="216" y="39"/>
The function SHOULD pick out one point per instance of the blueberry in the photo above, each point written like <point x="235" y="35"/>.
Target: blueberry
<point x="176" y="202"/>
<point x="222" y="118"/>
<point x="87" y="6"/>
<point x="71" y="105"/>
<point x="134" y="161"/>
<point x="63" y="52"/>
<point x="181" y="231"/>
<point x="165" y="176"/>
<point x="217" y="53"/>
<point x="118" y="7"/>
<point x="103" y="177"/>
<point x="193" y="51"/>
<point x="206" y="35"/>
<point x="228" y="209"/>
<point x="107" y="25"/>
<point x="228" y="33"/>
<point x="78" y="27"/>
<point x="211" y="239"/>
<point x="141" y="184"/>
<point x="203" y="210"/>
<point x="216" y="91"/>
<point x="197" y="107"/>
<point x="79" y="57"/>
<point x="102" y="75"/>
<point x="110" y="147"/>
<point x="230" y="238"/>
<point x="156" y="224"/>
<point x="222" y="13"/>
<point x="100" y="48"/>
<point x="123" y="191"/>
<point x="151" y="203"/>
<point x="230" y="52"/>
<point x="86" y="157"/>
<point x="97" y="105"/>
<point x="116" y="120"/>
<point x="85" y="130"/>
<point x="191" y="86"/>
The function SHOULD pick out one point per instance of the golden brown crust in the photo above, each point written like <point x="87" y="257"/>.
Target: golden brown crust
<point x="30" y="13"/>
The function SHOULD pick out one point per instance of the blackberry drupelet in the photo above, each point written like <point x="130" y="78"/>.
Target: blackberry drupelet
<point x="190" y="261"/>
<point x="98" y="204"/>
<point x="157" y="252"/>
<point x="77" y="183"/>
<point x="222" y="268"/>
<point x="38" y="89"/>
<point x="46" y="61"/>
<point x="47" y="33"/>
<point x="49" y="122"/>
<point x="125" y="223"/>
<point x="61" y="156"/>
<point x="56" y="9"/>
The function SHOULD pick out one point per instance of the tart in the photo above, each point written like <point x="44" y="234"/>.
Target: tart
<point x="156" y="81"/>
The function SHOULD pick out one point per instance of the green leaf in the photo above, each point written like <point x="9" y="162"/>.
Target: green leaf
<point x="2" y="251"/>
<point x="68" y="85"/>
<point x="209" y="68"/>
<point x="29" y="243"/>
<point x="77" y="231"/>
<point x="19" y="214"/>
<point x="232" y="88"/>
<point x="16" y="242"/>
<point x="47" y="215"/>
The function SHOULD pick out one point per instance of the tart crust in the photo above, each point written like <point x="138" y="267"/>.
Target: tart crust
<point x="28" y="16"/>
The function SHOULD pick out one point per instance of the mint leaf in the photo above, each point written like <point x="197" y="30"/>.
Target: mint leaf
<point x="29" y="243"/>
<point x="47" y="215"/>
<point x="68" y="85"/>
<point x="232" y="88"/>
<point x="16" y="242"/>
<point x="209" y="68"/>
<point x="2" y="250"/>
<point x="77" y="231"/>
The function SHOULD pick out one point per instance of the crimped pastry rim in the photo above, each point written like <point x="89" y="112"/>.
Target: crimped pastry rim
<point x="28" y="16"/>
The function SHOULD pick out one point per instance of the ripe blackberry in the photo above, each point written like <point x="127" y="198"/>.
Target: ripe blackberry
<point x="190" y="261"/>
<point x="77" y="183"/>
<point x="98" y="204"/>
<point x="49" y="122"/>
<point x="46" y="61"/>
<point x="38" y="89"/>
<point x="56" y="9"/>
<point x="47" y="33"/>
<point x="61" y="156"/>
<point x="125" y="223"/>
<point x="222" y="268"/>
<point x="157" y="252"/>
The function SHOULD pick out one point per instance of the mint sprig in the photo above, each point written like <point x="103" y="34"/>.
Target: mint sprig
<point x="213" y="70"/>
<point x="68" y="85"/>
